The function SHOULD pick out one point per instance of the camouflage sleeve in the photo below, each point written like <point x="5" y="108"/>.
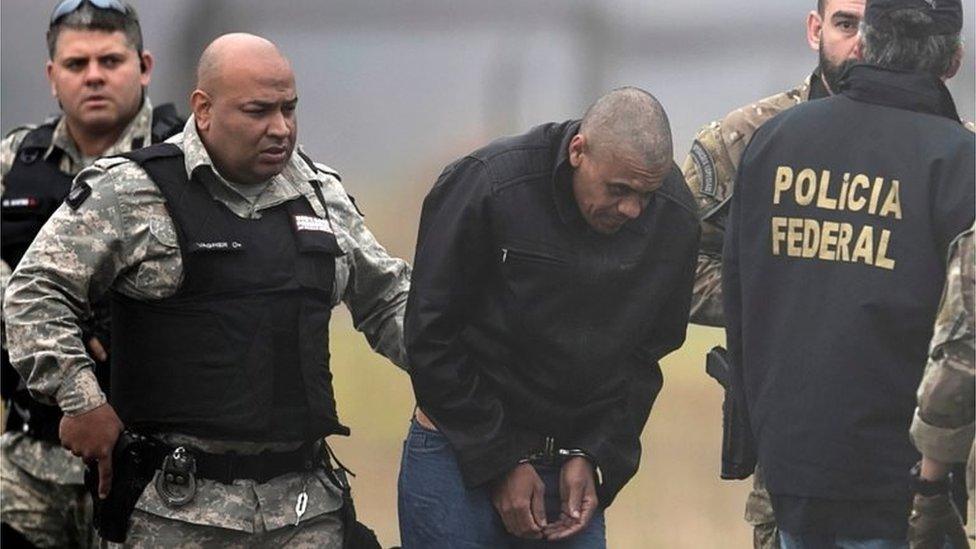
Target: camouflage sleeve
<point x="100" y="231"/>
<point x="942" y="428"/>
<point x="709" y="171"/>
<point x="4" y="279"/>
<point x="378" y="283"/>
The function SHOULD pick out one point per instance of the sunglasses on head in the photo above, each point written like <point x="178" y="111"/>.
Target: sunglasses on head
<point x="69" y="6"/>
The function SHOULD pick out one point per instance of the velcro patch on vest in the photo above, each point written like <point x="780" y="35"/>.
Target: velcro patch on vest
<point x="706" y="169"/>
<point x="312" y="223"/>
<point x="19" y="203"/>
<point x="79" y="193"/>
<point x="217" y="246"/>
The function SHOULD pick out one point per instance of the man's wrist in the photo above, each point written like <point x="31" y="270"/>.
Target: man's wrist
<point x="932" y="469"/>
<point x="80" y="393"/>
<point x="926" y="487"/>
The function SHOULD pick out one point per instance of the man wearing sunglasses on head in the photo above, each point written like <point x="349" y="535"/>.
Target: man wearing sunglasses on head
<point x="98" y="72"/>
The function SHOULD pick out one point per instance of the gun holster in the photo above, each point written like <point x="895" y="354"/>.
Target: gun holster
<point x="738" y="446"/>
<point x="131" y="473"/>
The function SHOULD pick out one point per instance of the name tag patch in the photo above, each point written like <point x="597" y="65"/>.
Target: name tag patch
<point x="312" y="223"/>
<point x="19" y="203"/>
<point x="218" y="246"/>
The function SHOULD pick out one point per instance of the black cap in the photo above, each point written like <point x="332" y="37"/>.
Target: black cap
<point x="946" y="15"/>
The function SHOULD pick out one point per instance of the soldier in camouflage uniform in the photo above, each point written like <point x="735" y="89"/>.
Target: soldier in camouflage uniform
<point x="122" y="232"/>
<point x="93" y="51"/>
<point x="710" y="172"/>
<point x="942" y="428"/>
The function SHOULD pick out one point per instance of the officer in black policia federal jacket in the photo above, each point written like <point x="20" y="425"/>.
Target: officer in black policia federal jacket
<point x="833" y="266"/>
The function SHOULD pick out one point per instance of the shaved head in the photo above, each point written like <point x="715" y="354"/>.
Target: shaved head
<point x="226" y="52"/>
<point x="244" y="107"/>
<point x="631" y="122"/>
<point x="620" y="158"/>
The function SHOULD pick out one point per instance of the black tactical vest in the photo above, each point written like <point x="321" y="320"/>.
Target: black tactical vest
<point x="35" y="187"/>
<point x="241" y="351"/>
<point x="32" y="190"/>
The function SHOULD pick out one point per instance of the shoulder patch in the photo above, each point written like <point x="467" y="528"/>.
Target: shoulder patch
<point x="79" y="193"/>
<point x="318" y="166"/>
<point x="706" y="168"/>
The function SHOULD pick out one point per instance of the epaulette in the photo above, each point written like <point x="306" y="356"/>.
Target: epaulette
<point x="109" y="162"/>
<point x="322" y="168"/>
<point x="159" y="150"/>
<point x="317" y="166"/>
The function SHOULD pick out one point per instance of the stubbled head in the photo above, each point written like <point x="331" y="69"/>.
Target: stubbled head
<point x="621" y="156"/>
<point x="97" y="67"/>
<point x="832" y="30"/>
<point x="244" y="107"/>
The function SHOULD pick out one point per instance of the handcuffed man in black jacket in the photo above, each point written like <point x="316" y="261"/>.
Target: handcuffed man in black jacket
<point x="553" y="270"/>
<point x="833" y="266"/>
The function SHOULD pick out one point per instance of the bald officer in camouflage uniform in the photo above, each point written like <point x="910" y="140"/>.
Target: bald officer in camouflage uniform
<point x="710" y="171"/>
<point x="942" y="428"/>
<point x="223" y="268"/>
<point x="98" y="72"/>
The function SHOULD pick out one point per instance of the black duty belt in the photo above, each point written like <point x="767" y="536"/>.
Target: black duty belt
<point x="38" y="421"/>
<point x="226" y="468"/>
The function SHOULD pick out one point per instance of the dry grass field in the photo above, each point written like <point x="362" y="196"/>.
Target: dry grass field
<point x="675" y="501"/>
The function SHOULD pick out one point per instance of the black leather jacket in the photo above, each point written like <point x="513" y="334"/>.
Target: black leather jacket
<point x="524" y="324"/>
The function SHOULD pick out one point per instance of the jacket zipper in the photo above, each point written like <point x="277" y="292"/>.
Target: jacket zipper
<point x="512" y="253"/>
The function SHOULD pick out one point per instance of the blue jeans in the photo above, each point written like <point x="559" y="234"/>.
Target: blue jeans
<point x="827" y="541"/>
<point x="438" y="511"/>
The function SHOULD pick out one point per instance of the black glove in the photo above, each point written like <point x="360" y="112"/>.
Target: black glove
<point x="933" y="520"/>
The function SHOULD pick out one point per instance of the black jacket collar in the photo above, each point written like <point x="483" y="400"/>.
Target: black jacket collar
<point x="562" y="176"/>
<point x="911" y="91"/>
<point x="818" y="90"/>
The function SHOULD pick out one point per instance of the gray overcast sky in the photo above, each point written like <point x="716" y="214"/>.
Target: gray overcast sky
<point x="402" y="86"/>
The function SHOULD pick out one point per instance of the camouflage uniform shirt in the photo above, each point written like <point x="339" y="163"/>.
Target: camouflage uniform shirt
<point x="42" y="459"/>
<point x="942" y="428"/>
<point x="710" y="172"/>
<point x="121" y="238"/>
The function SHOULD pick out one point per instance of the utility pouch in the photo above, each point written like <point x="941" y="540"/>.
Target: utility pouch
<point x="738" y="453"/>
<point x="132" y="470"/>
